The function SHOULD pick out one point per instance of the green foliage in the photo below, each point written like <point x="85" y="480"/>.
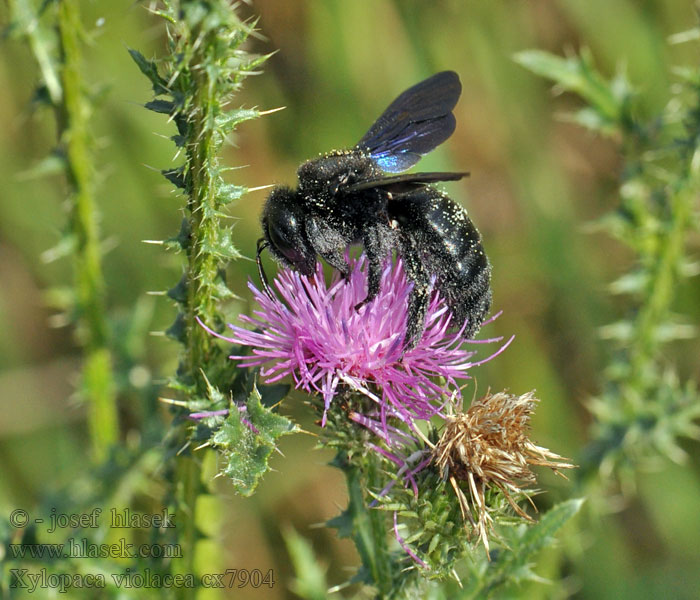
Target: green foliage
<point x="366" y="526"/>
<point x="246" y="440"/>
<point x="512" y="567"/>
<point x="310" y="582"/>
<point x="193" y="85"/>
<point x="532" y="183"/>
<point x="125" y="478"/>
<point x="645" y="408"/>
<point x="432" y="524"/>
<point x="428" y="519"/>
<point x="608" y="101"/>
<point x="56" y="37"/>
<point x="27" y="22"/>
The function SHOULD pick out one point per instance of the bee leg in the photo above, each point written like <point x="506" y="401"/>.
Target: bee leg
<point x="376" y="242"/>
<point x="415" y="321"/>
<point x="420" y="295"/>
<point x="374" y="276"/>
<point x="329" y="243"/>
<point x="336" y="259"/>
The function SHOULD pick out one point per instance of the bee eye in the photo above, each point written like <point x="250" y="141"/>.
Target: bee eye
<point x="283" y="243"/>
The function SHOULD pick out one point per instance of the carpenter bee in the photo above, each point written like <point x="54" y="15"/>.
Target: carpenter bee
<point x="346" y="197"/>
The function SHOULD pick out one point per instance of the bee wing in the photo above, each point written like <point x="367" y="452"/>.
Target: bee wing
<point x="402" y="184"/>
<point x="418" y="121"/>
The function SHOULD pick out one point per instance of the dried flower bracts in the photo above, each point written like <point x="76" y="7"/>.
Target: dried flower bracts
<point x="489" y="446"/>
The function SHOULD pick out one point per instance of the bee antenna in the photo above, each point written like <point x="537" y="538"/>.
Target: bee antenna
<point x="261" y="245"/>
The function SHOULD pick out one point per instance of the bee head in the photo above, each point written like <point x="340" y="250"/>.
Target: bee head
<point x="283" y="225"/>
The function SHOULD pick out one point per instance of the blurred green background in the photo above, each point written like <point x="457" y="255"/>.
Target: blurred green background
<point x="536" y="183"/>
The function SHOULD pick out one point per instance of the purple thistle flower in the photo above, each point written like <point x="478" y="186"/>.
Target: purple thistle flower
<point x="314" y="334"/>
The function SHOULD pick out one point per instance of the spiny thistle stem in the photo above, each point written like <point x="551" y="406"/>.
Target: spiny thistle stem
<point x="202" y="71"/>
<point x="201" y="270"/>
<point x="73" y="115"/>
<point x="644" y="408"/>
<point x="664" y="275"/>
<point x="61" y="73"/>
<point x="201" y="205"/>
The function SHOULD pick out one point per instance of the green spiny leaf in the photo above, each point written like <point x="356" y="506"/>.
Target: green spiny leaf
<point x="512" y="565"/>
<point x="247" y="446"/>
<point x="223" y="247"/>
<point x="53" y="164"/>
<point x="634" y="282"/>
<point x="256" y="61"/>
<point x="270" y="424"/>
<point x="343" y="523"/>
<point x="26" y="21"/>
<point x="65" y="247"/>
<point x="150" y="70"/>
<point x="60" y="298"/>
<point x="178" y="330"/>
<point x="226" y="122"/>
<point x="183" y="239"/>
<point x="220" y="288"/>
<point x="176" y="177"/>
<point x="179" y="292"/>
<point x="228" y="192"/>
<point x="214" y="395"/>
<point x="576" y="74"/>
<point x="165" y="107"/>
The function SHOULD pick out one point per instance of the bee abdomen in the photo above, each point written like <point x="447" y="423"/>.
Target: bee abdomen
<point x="451" y="249"/>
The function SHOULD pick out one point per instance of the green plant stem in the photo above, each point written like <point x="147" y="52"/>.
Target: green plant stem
<point x="664" y="277"/>
<point x="369" y="526"/>
<point x="188" y="477"/>
<point x="202" y="267"/>
<point x="73" y="114"/>
<point x="194" y="85"/>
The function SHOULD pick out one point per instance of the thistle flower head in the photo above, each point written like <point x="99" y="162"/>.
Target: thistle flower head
<point x="314" y="333"/>
<point x="489" y="446"/>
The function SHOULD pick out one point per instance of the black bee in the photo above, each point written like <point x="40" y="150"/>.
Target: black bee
<point x="346" y="197"/>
